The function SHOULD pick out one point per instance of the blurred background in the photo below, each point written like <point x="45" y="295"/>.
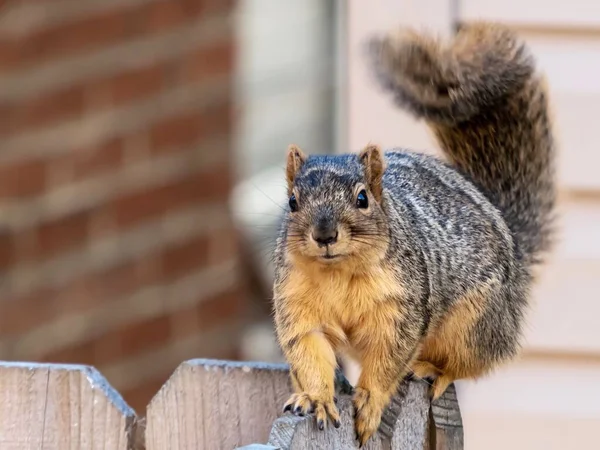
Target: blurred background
<point x="141" y="180"/>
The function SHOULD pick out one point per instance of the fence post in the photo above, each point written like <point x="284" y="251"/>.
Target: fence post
<point x="404" y="426"/>
<point x="409" y="411"/>
<point x="212" y="405"/>
<point x="206" y="404"/>
<point x="447" y="421"/>
<point x="411" y="422"/>
<point x="57" y="407"/>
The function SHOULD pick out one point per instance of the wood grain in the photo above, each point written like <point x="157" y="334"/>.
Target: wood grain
<point x="216" y="405"/>
<point x="410" y="408"/>
<point x="207" y="404"/>
<point x="405" y="425"/>
<point x="62" y="407"/>
<point x="301" y="433"/>
<point x="258" y="447"/>
<point x="447" y="421"/>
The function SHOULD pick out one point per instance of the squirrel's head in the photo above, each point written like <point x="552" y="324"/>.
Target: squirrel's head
<point x="335" y="214"/>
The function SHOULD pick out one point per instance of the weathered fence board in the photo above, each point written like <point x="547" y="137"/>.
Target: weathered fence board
<point x="447" y="421"/>
<point x="405" y="425"/>
<point x="301" y="433"/>
<point x="410" y="412"/>
<point x="61" y="407"/>
<point x="214" y="405"/>
<point x="411" y="422"/>
<point x="205" y="405"/>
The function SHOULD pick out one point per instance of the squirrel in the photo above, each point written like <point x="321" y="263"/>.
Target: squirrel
<point x="411" y="264"/>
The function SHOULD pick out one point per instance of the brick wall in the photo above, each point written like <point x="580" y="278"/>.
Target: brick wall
<point x="116" y="244"/>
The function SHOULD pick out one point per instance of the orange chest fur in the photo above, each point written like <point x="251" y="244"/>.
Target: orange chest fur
<point x="340" y="302"/>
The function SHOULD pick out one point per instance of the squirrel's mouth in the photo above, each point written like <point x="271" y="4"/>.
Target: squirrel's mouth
<point x="330" y="257"/>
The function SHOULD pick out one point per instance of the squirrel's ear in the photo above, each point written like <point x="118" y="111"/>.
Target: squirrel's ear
<point x="372" y="158"/>
<point x="295" y="160"/>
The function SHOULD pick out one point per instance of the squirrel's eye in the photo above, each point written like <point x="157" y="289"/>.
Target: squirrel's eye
<point x="293" y="203"/>
<point x="361" y="200"/>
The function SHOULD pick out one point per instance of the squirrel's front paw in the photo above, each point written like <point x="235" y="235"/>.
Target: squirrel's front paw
<point x="368" y="412"/>
<point x="302" y="404"/>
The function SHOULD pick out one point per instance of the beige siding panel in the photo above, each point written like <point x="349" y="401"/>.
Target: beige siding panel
<point x="572" y="66"/>
<point x="533" y="404"/>
<point x="565" y="316"/>
<point x="566" y="306"/>
<point x="372" y="115"/>
<point x="544" y="13"/>
<point x="576" y="116"/>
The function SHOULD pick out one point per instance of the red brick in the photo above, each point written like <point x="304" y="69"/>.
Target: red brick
<point x="138" y="84"/>
<point x="185" y="323"/>
<point x="62" y="234"/>
<point x="6" y="118"/>
<point x="139" y="397"/>
<point x="7" y="250"/>
<point x="80" y="294"/>
<point x="184" y="258"/>
<point x="184" y="130"/>
<point x="179" y="130"/>
<point x="109" y="285"/>
<point x="22" y="179"/>
<point x="142" y="336"/>
<point x="18" y="314"/>
<point x="80" y="353"/>
<point x="209" y="62"/>
<point x="98" y="288"/>
<point x="220" y="309"/>
<point x="66" y="39"/>
<point x="96" y="30"/>
<point x="67" y="103"/>
<point x="10" y="54"/>
<point x="117" y="344"/>
<point x="216" y="6"/>
<point x="224" y="245"/>
<point x="217" y="120"/>
<point x="208" y="313"/>
<point x="131" y="85"/>
<point x="43" y="110"/>
<point x="213" y="185"/>
<point x="107" y="156"/>
<point x="84" y="163"/>
<point x="164" y="15"/>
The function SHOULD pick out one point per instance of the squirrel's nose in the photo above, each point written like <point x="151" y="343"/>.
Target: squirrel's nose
<point x="325" y="236"/>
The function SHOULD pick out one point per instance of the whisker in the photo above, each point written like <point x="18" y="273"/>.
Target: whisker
<point x="265" y="194"/>
<point x="363" y="242"/>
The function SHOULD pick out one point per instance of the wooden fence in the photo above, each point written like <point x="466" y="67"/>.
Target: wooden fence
<point x="206" y="404"/>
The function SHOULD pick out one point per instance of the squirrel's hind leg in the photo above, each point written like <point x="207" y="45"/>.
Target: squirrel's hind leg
<point x="428" y="371"/>
<point x="440" y="385"/>
<point x="425" y="369"/>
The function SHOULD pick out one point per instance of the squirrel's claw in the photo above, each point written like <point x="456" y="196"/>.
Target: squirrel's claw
<point x="303" y="404"/>
<point x="299" y="405"/>
<point x="367" y="415"/>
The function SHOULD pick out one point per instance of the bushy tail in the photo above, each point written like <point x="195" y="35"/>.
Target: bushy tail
<point x="487" y="107"/>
